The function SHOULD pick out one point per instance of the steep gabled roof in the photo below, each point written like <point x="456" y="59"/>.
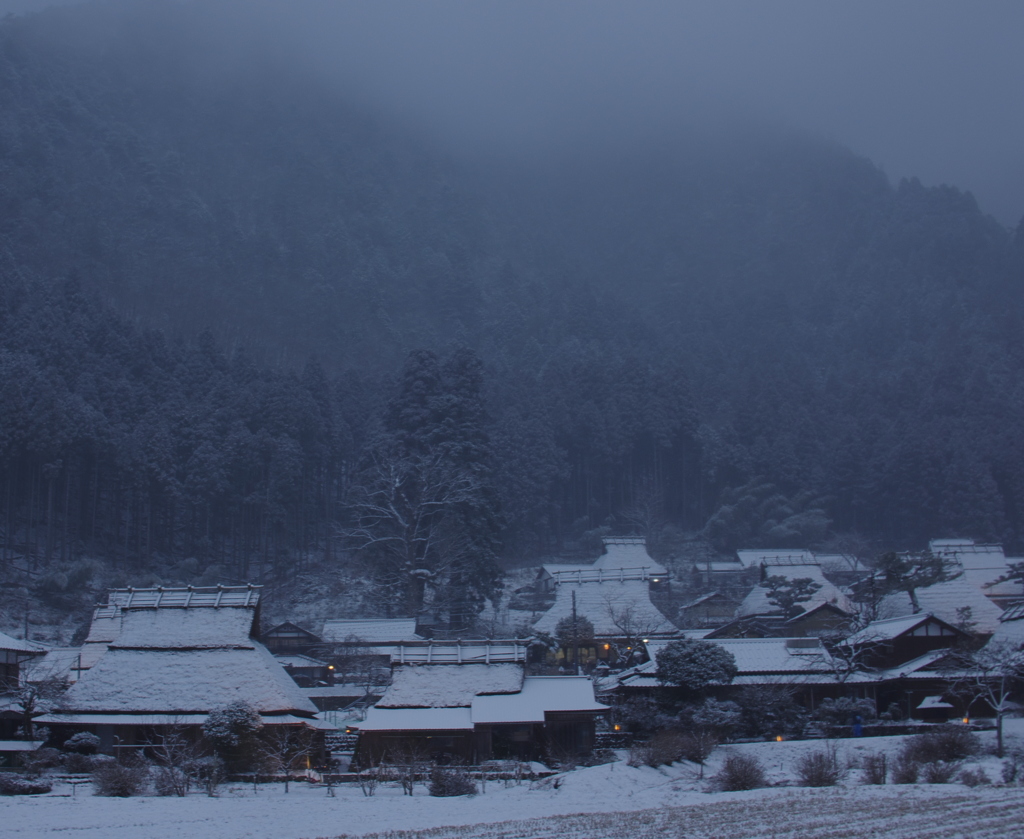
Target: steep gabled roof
<point x="982" y="565"/>
<point x="625" y="558"/>
<point x="890" y="628"/>
<point x="182" y="655"/>
<point x="756" y="602"/>
<point x="173" y="682"/>
<point x="943" y="600"/>
<point x="597" y="602"/>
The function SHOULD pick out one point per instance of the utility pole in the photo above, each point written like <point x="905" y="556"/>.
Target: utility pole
<point x="575" y="637"/>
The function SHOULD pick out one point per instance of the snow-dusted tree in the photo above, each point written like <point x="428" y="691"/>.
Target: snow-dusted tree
<point x="232" y="732"/>
<point x="284" y="749"/>
<point x="787" y="594"/>
<point x="41" y="690"/>
<point x="572" y="633"/>
<point x="424" y="510"/>
<point x="178" y="757"/>
<point x="635" y="624"/>
<point x="991" y="674"/>
<point x="695" y="665"/>
<point x="910" y="572"/>
<point x="721" y="718"/>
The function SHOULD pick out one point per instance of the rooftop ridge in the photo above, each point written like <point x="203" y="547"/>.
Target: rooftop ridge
<point x="183" y="597"/>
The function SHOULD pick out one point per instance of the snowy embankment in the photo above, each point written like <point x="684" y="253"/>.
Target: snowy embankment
<point x="613" y="800"/>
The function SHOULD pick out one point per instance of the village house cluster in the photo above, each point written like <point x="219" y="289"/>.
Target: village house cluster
<point x="357" y="691"/>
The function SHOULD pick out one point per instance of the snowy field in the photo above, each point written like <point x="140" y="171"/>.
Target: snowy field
<point x="613" y="800"/>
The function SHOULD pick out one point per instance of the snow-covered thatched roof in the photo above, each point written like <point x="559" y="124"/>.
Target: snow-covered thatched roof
<point x="756" y="602"/>
<point x="193" y="681"/>
<point x="944" y="600"/>
<point x="180" y="652"/>
<point x="448" y="685"/>
<point x="624" y="558"/>
<point x="186" y="628"/>
<point x="982" y="565"/>
<point x="609" y="607"/>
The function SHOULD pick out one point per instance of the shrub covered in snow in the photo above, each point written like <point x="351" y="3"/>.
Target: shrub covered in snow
<point x="121" y="780"/>
<point x="740" y="772"/>
<point x="940" y="771"/>
<point x="876" y="768"/>
<point x="770" y="710"/>
<point x="974" y="777"/>
<point x="83" y="743"/>
<point x="905" y="770"/>
<point x="695" y="665"/>
<point x="949" y="743"/>
<point x="232" y="732"/>
<point x="449" y="781"/>
<point x="844" y="710"/>
<point x="820" y="768"/>
<point x="14" y="785"/>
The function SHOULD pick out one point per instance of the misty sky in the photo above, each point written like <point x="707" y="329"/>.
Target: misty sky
<point x="931" y="88"/>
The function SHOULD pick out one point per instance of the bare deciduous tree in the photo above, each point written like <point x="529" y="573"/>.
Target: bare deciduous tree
<point x="990" y="675"/>
<point x="283" y="749"/>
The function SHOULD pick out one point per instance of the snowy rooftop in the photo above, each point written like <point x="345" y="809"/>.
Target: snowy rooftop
<point x="417" y="719"/>
<point x="624" y="558"/>
<point x="448" y="685"/>
<point x="943" y="600"/>
<point x="153" y="681"/>
<point x="756" y="602"/>
<point x="16" y="645"/>
<point x="540" y="695"/>
<point x="60" y="663"/>
<point x="982" y="564"/>
<point x="753" y="558"/>
<point x="187" y="597"/>
<point x="775" y="655"/>
<point x="604" y="604"/>
<point x="371" y="631"/>
<point x="185" y="628"/>
<point x="1011" y="626"/>
<point x="885" y="630"/>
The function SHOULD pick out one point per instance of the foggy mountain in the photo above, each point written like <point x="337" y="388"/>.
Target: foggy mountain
<point x="214" y="263"/>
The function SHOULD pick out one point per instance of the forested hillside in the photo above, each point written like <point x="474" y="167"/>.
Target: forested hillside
<point x="213" y="269"/>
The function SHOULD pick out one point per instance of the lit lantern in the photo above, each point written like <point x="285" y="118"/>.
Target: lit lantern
<point x="778" y="738"/>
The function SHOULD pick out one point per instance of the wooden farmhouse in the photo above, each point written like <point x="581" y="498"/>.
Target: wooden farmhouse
<point x="291" y="639"/>
<point x="801" y="664"/>
<point x="175" y="655"/>
<point x="473" y="702"/>
<point x="615" y="595"/>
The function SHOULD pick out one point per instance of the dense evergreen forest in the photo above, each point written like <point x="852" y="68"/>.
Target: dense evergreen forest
<point x="235" y="306"/>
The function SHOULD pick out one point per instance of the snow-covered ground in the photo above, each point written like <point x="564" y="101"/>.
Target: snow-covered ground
<point x="614" y="800"/>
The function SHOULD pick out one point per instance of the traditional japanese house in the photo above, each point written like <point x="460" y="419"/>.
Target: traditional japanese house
<point x="177" y="655"/>
<point x="482" y="708"/>
<point x="291" y="639"/>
